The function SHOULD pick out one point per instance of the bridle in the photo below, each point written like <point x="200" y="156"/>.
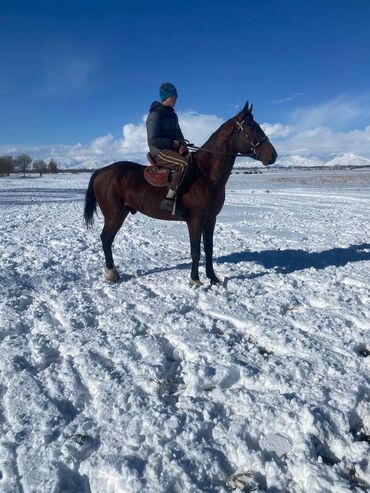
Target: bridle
<point x="253" y="145"/>
<point x="241" y="128"/>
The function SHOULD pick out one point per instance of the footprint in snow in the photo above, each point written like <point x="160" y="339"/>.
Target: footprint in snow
<point x="362" y="350"/>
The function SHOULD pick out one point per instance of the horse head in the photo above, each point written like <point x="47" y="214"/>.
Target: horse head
<point x="251" y="140"/>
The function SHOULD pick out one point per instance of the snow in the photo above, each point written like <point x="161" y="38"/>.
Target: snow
<point x="260" y="384"/>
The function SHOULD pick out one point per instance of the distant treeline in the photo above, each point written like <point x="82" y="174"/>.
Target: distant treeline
<point x="77" y="170"/>
<point x="23" y="163"/>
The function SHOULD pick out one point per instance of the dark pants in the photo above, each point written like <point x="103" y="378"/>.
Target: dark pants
<point x="175" y="162"/>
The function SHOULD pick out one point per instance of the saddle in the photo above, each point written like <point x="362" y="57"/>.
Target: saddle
<point x="155" y="175"/>
<point x="158" y="176"/>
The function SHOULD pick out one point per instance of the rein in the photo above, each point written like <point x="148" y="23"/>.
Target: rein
<point x="240" y="128"/>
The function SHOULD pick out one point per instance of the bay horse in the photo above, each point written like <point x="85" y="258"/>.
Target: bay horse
<point x="121" y="188"/>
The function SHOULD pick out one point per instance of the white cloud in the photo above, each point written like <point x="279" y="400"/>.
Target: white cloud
<point x="132" y="146"/>
<point x="65" y="68"/>
<point x="322" y="141"/>
<point x="100" y="145"/>
<point x="334" y="113"/>
<point x="319" y="130"/>
<point x="276" y="129"/>
<point x="288" y="98"/>
<point x="197" y="127"/>
<point x="134" y="137"/>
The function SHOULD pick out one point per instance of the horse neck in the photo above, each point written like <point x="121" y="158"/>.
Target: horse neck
<point x="216" y="167"/>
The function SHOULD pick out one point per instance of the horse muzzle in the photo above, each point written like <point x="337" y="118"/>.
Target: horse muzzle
<point x="271" y="160"/>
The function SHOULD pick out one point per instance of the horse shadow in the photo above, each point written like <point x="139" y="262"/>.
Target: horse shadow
<point x="290" y="260"/>
<point x="282" y="261"/>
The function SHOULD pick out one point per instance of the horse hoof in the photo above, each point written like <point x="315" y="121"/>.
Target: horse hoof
<point x="112" y="275"/>
<point x="195" y="283"/>
<point x="215" y="280"/>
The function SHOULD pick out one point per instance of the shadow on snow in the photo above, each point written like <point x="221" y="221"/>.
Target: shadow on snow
<point x="281" y="261"/>
<point x="287" y="261"/>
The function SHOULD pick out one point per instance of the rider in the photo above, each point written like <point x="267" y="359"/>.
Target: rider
<point x="165" y="140"/>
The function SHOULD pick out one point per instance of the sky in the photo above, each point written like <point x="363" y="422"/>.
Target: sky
<point x="78" y="77"/>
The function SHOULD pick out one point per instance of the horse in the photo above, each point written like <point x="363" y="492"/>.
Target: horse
<point x="120" y="188"/>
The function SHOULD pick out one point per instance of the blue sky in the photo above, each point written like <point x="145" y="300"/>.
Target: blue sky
<point x="72" y="72"/>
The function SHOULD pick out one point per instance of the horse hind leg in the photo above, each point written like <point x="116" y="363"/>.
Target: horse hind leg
<point x="111" y="227"/>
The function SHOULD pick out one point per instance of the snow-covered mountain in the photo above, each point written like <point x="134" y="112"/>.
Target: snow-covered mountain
<point x="349" y="159"/>
<point x="88" y="161"/>
<point x="299" y="161"/>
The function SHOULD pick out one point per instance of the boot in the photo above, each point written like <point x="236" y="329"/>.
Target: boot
<point x="167" y="205"/>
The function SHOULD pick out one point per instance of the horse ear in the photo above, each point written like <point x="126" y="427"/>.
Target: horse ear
<point x="247" y="109"/>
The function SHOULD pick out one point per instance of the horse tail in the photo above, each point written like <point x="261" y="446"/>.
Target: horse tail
<point x="90" y="201"/>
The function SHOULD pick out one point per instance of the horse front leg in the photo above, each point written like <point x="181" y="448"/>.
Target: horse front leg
<point x="195" y="233"/>
<point x="111" y="228"/>
<point x="208" y="231"/>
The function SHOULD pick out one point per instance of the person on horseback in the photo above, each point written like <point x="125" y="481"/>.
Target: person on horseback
<point x="165" y="140"/>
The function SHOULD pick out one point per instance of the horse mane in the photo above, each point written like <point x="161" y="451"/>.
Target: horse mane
<point x="204" y="160"/>
<point x="215" y="134"/>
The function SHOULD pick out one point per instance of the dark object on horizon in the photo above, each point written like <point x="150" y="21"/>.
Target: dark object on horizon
<point x="121" y="188"/>
<point x="40" y="166"/>
<point x="52" y="166"/>
<point x="6" y="165"/>
<point x="22" y="162"/>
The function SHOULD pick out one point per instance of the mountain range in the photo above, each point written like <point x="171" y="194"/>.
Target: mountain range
<point x="298" y="161"/>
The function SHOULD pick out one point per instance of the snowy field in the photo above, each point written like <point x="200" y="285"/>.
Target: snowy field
<point x="260" y="384"/>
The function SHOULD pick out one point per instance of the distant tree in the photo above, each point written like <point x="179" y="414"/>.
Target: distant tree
<point x="6" y="165"/>
<point x="40" y="166"/>
<point x="53" y="167"/>
<point x="22" y="162"/>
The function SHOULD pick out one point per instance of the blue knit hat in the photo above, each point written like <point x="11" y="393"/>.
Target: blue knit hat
<point x="167" y="90"/>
